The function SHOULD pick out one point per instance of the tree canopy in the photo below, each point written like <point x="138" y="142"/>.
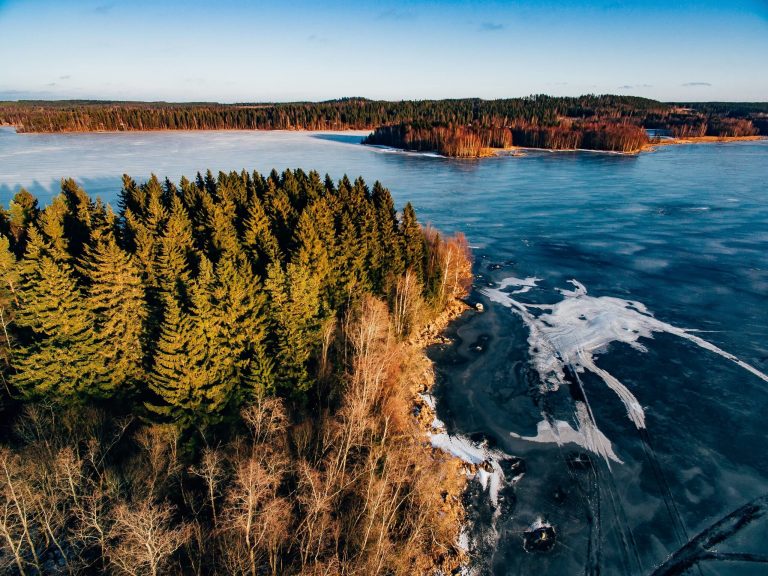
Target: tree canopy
<point x="194" y="299"/>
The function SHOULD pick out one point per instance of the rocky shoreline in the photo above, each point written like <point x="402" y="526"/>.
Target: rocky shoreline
<point x="471" y="459"/>
<point x="424" y="412"/>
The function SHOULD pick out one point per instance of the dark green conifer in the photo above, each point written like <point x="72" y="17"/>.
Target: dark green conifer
<point x="5" y="222"/>
<point x="316" y="251"/>
<point x="173" y="268"/>
<point x="414" y="245"/>
<point x="131" y="196"/>
<point x="240" y="307"/>
<point x="56" y="359"/>
<point x="351" y="257"/>
<point x="260" y="242"/>
<point x="8" y="300"/>
<point x="117" y="301"/>
<point x="193" y="375"/>
<point x="389" y="240"/>
<point x="52" y="226"/>
<point x="78" y="220"/>
<point x="223" y="234"/>
<point x="22" y="212"/>
<point x="294" y="309"/>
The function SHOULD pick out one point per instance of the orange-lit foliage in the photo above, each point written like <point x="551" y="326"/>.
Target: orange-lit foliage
<point x="470" y="141"/>
<point x="731" y="127"/>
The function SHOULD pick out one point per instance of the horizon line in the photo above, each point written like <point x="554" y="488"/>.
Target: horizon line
<point x="365" y="98"/>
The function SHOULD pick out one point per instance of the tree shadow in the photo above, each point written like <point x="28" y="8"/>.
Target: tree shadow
<point x="340" y="138"/>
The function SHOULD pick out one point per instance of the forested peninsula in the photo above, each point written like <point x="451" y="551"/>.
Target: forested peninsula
<point x="219" y="378"/>
<point x="460" y="128"/>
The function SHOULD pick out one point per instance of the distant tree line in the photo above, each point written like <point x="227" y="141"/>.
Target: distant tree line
<point x="343" y="114"/>
<point x="217" y="378"/>
<point x="461" y="127"/>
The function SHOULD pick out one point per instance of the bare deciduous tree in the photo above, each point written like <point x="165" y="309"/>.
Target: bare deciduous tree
<point x="256" y="519"/>
<point x="265" y="418"/>
<point x="145" y="538"/>
<point x="211" y="471"/>
<point x="407" y="304"/>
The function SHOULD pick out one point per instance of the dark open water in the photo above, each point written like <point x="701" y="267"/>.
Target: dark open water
<point x="682" y="231"/>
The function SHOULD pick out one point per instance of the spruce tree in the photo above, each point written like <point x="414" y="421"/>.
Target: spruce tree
<point x="316" y="252"/>
<point x="294" y="309"/>
<point x="5" y="222"/>
<point x="8" y="299"/>
<point x="223" y="234"/>
<point x="173" y="270"/>
<point x="389" y="241"/>
<point x="282" y="218"/>
<point x="52" y="226"/>
<point x="414" y="245"/>
<point x="260" y="242"/>
<point x="78" y="220"/>
<point x="173" y="375"/>
<point x="194" y="374"/>
<point x="117" y="301"/>
<point x="22" y="212"/>
<point x="58" y="349"/>
<point x="131" y="196"/>
<point x="349" y="259"/>
<point x="240" y="308"/>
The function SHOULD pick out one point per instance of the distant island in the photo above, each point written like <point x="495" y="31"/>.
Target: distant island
<point x="462" y="128"/>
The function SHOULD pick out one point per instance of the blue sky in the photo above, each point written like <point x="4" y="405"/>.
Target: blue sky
<point x="238" y="50"/>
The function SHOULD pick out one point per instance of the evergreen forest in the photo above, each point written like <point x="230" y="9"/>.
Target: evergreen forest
<point x="218" y="377"/>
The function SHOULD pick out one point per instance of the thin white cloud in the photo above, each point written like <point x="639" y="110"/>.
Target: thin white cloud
<point x="491" y="27"/>
<point x="393" y="14"/>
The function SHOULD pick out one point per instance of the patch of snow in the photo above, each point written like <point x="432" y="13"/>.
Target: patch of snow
<point x="429" y="400"/>
<point x="477" y="455"/>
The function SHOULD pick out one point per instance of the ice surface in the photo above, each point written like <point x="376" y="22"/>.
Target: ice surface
<point x="568" y="335"/>
<point x="560" y="432"/>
